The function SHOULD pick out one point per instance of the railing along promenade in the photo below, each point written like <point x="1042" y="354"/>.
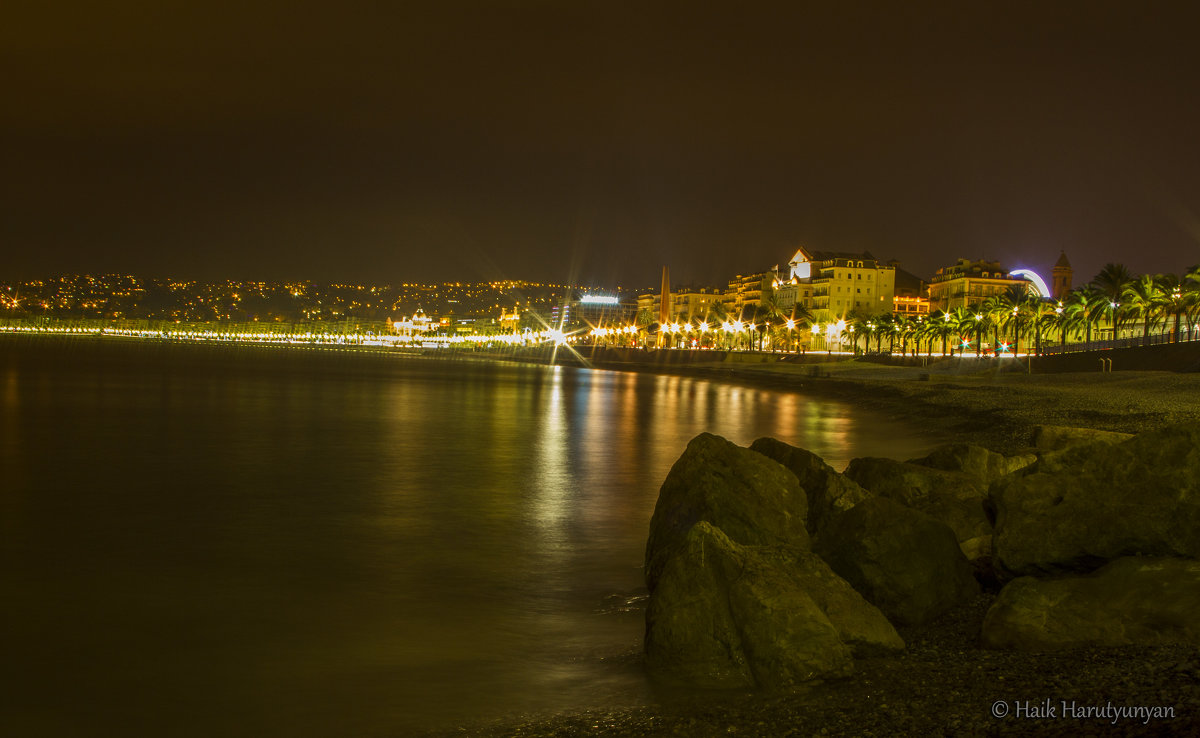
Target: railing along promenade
<point x="1154" y="339"/>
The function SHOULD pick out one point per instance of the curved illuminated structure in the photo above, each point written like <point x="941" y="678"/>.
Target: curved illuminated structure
<point x="1032" y="276"/>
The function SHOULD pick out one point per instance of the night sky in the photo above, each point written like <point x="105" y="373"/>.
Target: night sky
<point x="582" y="142"/>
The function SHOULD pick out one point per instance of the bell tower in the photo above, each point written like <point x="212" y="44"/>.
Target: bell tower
<point x="664" y="305"/>
<point x="1061" y="276"/>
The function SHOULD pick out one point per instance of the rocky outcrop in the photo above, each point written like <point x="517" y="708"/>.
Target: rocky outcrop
<point x="903" y="561"/>
<point x="1048" y="438"/>
<point x="1082" y="507"/>
<point x="828" y="492"/>
<point x="981" y="464"/>
<point x="724" y="616"/>
<point x="1134" y="600"/>
<point x="750" y="498"/>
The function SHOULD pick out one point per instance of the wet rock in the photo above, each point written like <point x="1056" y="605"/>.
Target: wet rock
<point x="1133" y="600"/>
<point x="1058" y="437"/>
<point x="903" y="561"/>
<point x="1096" y="503"/>
<point x="751" y="498"/>
<point x="827" y="491"/>
<point x="724" y="616"/>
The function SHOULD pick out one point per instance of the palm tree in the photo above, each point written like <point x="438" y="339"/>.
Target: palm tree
<point x="963" y="321"/>
<point x="1175" y="299"/>
<point x="908" y="329"/>
<point x="801" y="318"/>
<point x="998" y="309"/>
<point x="1111" y="283"/>
<point x="979" y="324"/>
<point x="1145" y="298"/>
<point x="1081" y="308"/>
<point x="889" y="325"/>
<point x="1191" y="293"/>
<point x="717" y="314"/>
<point x="1043" y="314"/>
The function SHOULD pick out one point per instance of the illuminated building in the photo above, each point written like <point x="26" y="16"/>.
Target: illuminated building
<point x="968" y="283"/>
<point x="909" y="299"/>
<point x="845" y="283"/>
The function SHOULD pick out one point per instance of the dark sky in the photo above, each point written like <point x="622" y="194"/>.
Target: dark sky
<point x="592" y="142"/>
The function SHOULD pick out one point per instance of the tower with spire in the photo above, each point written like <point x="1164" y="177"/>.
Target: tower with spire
<point x="1061" y="277"/>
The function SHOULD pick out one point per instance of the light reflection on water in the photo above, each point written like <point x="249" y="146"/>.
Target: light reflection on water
<point x="246" y="541"/>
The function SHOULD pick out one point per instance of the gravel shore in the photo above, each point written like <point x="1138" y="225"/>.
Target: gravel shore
<point x="945" y="684"/>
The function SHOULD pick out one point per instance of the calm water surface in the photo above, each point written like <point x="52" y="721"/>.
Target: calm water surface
<point x="202" y="540"/>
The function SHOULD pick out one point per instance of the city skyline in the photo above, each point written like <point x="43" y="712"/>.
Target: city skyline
<point x="591" y="144"/>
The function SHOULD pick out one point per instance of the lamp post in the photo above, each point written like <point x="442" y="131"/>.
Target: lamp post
<point x="1016" y="312"/>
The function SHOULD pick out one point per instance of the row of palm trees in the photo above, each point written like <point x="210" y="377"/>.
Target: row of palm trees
<point x="1115" y="303"/>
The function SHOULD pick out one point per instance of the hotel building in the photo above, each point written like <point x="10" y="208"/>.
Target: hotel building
<point x="968" y="283"/>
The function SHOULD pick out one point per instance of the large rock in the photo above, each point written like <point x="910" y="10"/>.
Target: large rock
<point x="828" y="492"/>
<point x="860" y="625"/>
<point x="1085" y="506"/>
<point x="751" y="498"/>
<point x="975" y="461"/>
<point x="952" y="497"/>
<point x="1130" y="601"/>
<point x="723" y="616"/>
<point x="1058" y="437"/>
<point x="903" y="561"/>
<point x="909" y="483"/>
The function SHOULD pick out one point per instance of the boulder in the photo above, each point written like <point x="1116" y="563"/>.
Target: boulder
<point x="1133" y="600"/>
<point x="903" y="561"/>
<point x="827" y="491"/>
<point x="751" y="498"/>
<point x="860" y="625"/>
<point x="952" y="497"/>
<point x="977" y="462"/>
<point x="723" y="616"/>
<point x="1092" y="504"/>
<point x="1058" y="437"/>
<point x="909" y="484"/>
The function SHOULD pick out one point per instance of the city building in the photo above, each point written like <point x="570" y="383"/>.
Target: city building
<point x="910" y="298"/>
<point x="844" y="284"/>
<point x="968" y="283"/>
<point x="685" y="304"/>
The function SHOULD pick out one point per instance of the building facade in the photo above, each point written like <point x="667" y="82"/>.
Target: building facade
<point x="966" y="284"/>
<point x="845" y="284"/>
